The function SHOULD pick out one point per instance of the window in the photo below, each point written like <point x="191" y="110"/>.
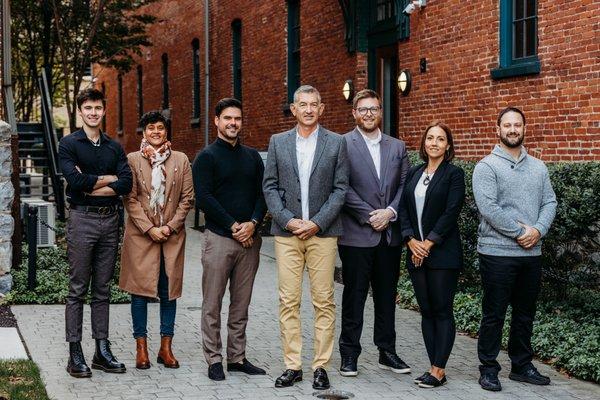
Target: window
<point x="165" y="81"/>
<point x="518" y="39"/>
<point x="236" y="45"/>
<point x="293" y="42"/>
<point x="120" y="104"/>
<point x="196" y="81"/>
<point x="140" y="92"/>
<point x="385" y="10"/>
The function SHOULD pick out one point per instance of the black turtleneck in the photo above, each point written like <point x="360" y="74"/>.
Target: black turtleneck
<point x="228" y="185"/>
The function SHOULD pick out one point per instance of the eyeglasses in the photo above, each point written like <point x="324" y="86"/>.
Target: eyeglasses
<point x="364" y="110"/>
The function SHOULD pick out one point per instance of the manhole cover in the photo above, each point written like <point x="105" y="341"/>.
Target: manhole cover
<point x="333" y="395"/>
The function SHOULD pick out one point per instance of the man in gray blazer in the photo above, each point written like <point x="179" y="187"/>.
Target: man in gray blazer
<point x="370" y="247"/>
<point x="305" y="183"/>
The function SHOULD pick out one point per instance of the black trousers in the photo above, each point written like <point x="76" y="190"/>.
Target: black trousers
<point x="434" y="290"/>
<point x="378" y="267"/>
<point x="515" y="281"/>
<point x="92" y="245"/>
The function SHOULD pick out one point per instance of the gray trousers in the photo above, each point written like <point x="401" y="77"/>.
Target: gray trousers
<point x="224" y="260"/>
<point x="92" y="244"/>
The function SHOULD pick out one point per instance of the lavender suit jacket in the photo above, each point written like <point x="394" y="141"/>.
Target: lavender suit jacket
<point x="367" y="192"/>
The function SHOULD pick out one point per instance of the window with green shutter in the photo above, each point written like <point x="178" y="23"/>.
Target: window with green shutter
<point x="518" y="39"/>
<point x="236" y="37"/>
<point x="293" y="44"/>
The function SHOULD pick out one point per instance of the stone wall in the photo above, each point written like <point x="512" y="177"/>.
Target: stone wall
<point x="6" y="200"/>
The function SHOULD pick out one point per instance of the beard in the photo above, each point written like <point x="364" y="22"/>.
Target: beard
<point x="365" y="129"/>
<point x="512" y="143"/>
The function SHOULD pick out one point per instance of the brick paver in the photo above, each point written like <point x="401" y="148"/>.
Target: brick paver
<point x="43" y="330"/>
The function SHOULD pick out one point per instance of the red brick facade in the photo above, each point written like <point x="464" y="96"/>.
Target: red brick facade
<point x="459" y="40"/>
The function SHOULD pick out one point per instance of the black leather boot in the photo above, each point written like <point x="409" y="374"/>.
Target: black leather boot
<point x="76" y="366"/>
<point x="105" y="360"/>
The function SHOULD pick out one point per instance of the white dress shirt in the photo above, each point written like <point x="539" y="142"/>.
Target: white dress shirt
<point x="420" y="192"/>
<point x="374" y="147"/>
<point x="305" y="154"/>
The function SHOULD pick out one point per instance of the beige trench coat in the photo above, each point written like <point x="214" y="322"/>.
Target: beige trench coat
<point x="140" y="256"/>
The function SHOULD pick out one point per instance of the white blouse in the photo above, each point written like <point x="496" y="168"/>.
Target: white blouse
<point x="420" y="192"/>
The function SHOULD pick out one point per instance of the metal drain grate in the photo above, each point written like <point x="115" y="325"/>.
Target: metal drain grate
<point x="333" y="395"/>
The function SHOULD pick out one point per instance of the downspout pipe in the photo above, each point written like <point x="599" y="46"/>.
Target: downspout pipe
<point x="206" y="72"/>
<point x="6" y="60"/>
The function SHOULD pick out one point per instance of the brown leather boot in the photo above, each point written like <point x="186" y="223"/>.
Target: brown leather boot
<point x="165" y="355"/>
<point x="142" y="361"/>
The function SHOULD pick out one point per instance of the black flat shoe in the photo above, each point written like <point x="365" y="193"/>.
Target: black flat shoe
<point x="489" y="381"/>
<point x="246" y="367"/>
<point x="431" y="381"/>
<point x="349" y="366"/>
<point x="321" y="380"/>
<point x="420" y="378"/>
<point x="530" y="375"/>
<point x="391" y="361"/>
<point x="288" y="378"/>
<point x="215" y="372"/>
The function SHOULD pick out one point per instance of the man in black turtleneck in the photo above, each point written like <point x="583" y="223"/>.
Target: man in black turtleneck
<point x="228" y="184"/>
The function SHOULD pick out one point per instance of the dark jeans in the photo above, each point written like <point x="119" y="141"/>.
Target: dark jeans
<point x="92" y="242"/>
<point x="434" y="290"/>
<point x="378" y="267"/>
<point x="168" y="308"/>
<point x="515" y="281"/>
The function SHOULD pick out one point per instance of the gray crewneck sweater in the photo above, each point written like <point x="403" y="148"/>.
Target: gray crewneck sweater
<point x="509" y="191"/>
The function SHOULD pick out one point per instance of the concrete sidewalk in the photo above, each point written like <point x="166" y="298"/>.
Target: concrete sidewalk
<point x="43" y="330"/>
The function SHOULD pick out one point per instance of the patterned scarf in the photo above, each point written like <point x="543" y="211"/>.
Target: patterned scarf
<point x="157" y="158"/>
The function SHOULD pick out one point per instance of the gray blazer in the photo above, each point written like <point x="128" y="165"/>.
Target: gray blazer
<point x="328" y="182"/>
<point x="367" y="192"/>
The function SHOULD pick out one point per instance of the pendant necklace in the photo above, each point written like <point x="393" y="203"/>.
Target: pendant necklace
<point x="428" y="176"/>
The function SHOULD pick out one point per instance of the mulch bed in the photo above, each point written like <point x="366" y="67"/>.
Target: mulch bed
<point x="7" y="319"/>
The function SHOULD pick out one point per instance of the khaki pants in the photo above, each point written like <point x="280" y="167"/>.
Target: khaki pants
<point x="225" y="260"/>
<point x="318" y="255"/>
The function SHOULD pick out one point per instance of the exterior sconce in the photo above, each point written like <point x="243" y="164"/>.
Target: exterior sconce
<point x="404" y="82"/>
<point x="348" y="90"/>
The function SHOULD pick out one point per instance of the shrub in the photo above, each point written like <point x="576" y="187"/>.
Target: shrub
<point x="52" y="279"/>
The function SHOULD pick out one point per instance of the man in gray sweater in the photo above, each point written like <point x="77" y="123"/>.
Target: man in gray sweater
<point x="517" y="206"/>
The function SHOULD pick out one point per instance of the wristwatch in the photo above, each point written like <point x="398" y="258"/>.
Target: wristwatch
<point x="255" y="222"/>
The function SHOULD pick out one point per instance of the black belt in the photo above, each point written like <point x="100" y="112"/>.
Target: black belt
<point x="102" y="210"/>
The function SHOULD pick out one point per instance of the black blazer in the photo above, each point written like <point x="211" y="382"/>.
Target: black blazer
<point x="443" y="201"/>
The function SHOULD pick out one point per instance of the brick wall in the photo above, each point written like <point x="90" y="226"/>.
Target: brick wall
<point x="460" y="41"/>
<point x="458" y="38"/>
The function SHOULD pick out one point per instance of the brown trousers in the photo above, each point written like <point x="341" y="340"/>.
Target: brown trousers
<point x="224" y="259"/>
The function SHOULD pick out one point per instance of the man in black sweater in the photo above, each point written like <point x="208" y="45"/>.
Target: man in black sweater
<point x="228" y="184"/>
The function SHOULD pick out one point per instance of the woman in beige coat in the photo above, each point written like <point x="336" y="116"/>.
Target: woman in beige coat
<point x="154" y="241"/>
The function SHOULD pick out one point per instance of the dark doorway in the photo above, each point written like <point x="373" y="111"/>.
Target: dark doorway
<point x="386" y="73"/>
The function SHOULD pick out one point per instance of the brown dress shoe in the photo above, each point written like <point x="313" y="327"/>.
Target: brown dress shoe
<point x="165" y="355"/>
<point x="142" y="361"/>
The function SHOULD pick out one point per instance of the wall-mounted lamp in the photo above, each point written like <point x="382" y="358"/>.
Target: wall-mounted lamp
<point x="348" y="90"/>
<point x="404" y="82"/>
<point x="414" y="5"/>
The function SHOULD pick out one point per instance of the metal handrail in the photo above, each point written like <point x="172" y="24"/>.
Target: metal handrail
<point x="52" y="146"/>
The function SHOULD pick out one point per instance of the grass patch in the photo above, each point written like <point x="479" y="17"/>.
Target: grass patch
<point x="20" y="380"/>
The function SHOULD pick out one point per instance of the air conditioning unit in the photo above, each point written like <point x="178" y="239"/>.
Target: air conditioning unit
<point x="46" y="217"/>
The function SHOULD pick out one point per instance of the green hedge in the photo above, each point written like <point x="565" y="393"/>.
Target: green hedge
<point x="567" y="328"/>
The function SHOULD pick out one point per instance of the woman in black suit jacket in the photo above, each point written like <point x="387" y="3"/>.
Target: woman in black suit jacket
<point x="432" y="199"/>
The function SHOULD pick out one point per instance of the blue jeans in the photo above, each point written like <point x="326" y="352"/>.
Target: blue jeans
<point x="168" y="308"/>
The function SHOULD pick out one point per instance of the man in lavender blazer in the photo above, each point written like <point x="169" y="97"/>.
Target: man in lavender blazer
<point x="371" y="244"/>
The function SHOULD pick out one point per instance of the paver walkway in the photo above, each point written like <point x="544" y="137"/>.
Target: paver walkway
<point x="43" y="330"/>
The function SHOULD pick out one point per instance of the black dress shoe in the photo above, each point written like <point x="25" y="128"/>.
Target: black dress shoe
<point x="431" y="381"/>
<point x="391" y="361"/>
<point x="105" y="360"/>
<point x="530" y="375"/>
<point x="288" y="378"/>
<point x="349" y="366"/>
<point x="320" y="381"/>
<point x="76" y="366"/>
<point x="215" y="372"/>
<point x="246" y="367"/>
<point x="489" y="381"/>
<point x="420" y="378"/>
